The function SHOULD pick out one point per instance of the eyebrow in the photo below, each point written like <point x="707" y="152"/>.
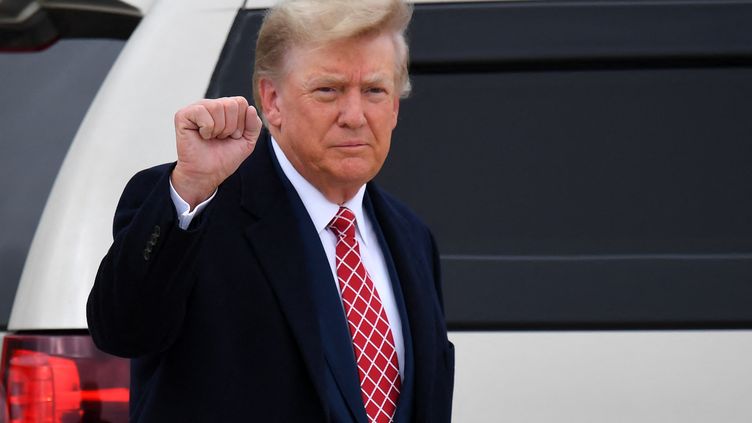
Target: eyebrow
<point x="327" y="79"/>
<point x="376" y="78"/>
<point x="333" y="79"/>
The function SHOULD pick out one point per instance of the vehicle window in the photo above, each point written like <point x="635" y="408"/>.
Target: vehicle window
<point x="582" y="165"/>
<point x="44" y="96"/>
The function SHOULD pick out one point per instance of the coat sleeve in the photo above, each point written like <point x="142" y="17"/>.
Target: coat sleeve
<point x="138" y="301"/>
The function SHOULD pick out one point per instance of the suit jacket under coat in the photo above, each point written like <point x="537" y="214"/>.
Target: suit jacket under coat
<point x="219" y="318"/>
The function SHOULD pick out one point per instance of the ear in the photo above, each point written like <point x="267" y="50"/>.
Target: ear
<point x="395" y="111"/>
<point x="270" y="101"/>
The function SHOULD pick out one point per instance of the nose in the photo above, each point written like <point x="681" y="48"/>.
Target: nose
<point x="351" y="113"/>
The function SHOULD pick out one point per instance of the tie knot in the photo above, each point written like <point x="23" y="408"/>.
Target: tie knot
<point x="343" y="223"/>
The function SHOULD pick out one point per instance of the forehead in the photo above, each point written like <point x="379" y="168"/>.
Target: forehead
<point x="373" y="56"/>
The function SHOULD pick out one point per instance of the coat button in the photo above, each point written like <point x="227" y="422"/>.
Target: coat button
<point x="152" y="242"/>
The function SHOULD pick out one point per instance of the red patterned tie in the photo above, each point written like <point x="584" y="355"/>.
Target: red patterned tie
<point x="369" y="328"/>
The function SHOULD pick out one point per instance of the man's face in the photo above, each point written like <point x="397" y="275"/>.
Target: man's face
<point x="334" y="110"/>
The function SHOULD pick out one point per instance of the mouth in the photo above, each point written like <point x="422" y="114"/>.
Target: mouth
<point x="351" y="144"/>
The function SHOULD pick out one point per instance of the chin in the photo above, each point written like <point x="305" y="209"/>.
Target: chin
<point x="354" y="179"/>
<point x="356" y="169"/>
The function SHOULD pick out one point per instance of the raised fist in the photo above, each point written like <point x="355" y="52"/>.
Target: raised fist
<point x="213" y="139"/>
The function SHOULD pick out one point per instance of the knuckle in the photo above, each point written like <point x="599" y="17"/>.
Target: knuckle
<point x="241" y="101"/>
<point x="215" y="109"/>
<point x="206" y="103"/>
<point x="186" y="114"/>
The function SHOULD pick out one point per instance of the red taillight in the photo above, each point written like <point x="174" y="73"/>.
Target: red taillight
<point x="62" y="379"/>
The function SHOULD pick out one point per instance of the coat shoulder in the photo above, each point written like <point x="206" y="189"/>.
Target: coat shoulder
<point x="386" y="202"/>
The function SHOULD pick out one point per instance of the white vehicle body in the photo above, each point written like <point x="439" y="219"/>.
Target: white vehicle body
<point x="501" y="376"/>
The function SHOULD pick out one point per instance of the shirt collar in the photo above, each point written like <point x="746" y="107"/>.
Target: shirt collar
<point x="319" y="208"/>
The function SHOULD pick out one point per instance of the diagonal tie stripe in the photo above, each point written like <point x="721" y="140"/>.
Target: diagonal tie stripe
<point x="373" y="342"/>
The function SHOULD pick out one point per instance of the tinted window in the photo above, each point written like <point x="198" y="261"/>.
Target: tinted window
<point x="44" y="98"/>
<point x="574" y="196"/>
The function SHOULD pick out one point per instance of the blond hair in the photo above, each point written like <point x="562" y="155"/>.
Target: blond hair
<point x="314" y="22"/>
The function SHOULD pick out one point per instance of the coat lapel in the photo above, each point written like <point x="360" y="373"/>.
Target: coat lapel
<point x="417" y="284"/>
<point x="404" y="405"/>
<point x="277" y="244"/>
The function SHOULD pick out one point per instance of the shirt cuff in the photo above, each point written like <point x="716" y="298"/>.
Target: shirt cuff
<point x="185" y="214"/>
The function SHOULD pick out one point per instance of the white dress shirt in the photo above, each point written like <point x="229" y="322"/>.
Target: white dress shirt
<point x="321" y="212"/>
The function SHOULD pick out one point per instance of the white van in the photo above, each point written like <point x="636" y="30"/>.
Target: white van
<point x="585" y="167"/>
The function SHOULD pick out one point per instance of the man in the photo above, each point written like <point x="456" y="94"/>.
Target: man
<point x="287" y="287"/>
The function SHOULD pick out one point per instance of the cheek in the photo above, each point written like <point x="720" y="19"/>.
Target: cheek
<point x="386" y="144"/>
<point x="384" y="125"/>
<point x="382" y="117"/>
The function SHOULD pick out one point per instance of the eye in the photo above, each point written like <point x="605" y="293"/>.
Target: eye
<point x="376" y="93"/>
<point x="325" y="93"/>
<point x="376" y="90"/>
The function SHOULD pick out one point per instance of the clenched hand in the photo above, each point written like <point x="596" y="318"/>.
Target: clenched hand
<point x="213" y="138"/>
